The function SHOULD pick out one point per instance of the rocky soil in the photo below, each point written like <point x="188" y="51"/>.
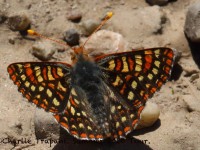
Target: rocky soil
<point x="135" y="24"/>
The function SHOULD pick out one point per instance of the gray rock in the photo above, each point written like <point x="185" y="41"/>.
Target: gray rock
<point x="194" y="77"/>
<point x="72" y="37"/>
<point x="149" y="115"/>
<point x="105" y="42"/>
<point x="19" y="22"/>
<point x="192" y="22"/>
<point x="43" y="49"/>
<point x="46" y="126"/>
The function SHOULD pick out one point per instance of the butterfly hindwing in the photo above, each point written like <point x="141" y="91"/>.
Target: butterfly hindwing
<point x="78" y="120"/>
<point x="42" y="83"/>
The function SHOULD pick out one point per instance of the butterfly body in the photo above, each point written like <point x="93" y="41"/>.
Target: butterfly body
<point x="99" y="98"/>
<point x="89" y="87"/>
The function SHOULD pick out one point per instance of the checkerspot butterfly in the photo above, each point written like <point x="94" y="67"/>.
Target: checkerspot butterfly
<point x="99" y="98"/>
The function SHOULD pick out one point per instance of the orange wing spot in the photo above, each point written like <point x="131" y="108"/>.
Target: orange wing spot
<point x="43" y="106"/>
<point x="137" y="103"/>
<point x="99" y="136"/>
<point x="83" y="135"/>
<point x="169" y="62"/>
<point x="148" y="52"/>
<point x="170" y="55"/>
<point x="148" y="58"/>
<point x="130" y="63"/>
<point x="126" y="129"/>
<point x="17" y="83"/>
<point x="91" y="136"/>
<point x="136" y="74"/>
<point x="159" y="84"/>
<point x="22" y="91"/>
<point x="29" y="71"/>
<point x="134" y="122"/>
<point x="51" y="85"/>
<point x="28" y="96"/>
<point x="74" y="133"/>
<point x="27" y="65"/>
<point x="123" y="88"/>
<point x="10" y="71"/>
<point x="73" y="102"/>
<point x="128" y="77"/>
<point x="35" y="101"/>
<point x="164" y="78"/>
<point x="140" y="110"/>
<point x="13" y="77"/>
<point x="60" y="95"/>
<point x="64" y="124"/>
<point x="146" y="96"/>
<point x="54" y="71"/>
<point x="44" y="73"/>
<point x="119" y="65"/>
<point x="147" y="65"/>
<point x="57" y="117"/>
<point x="153" y="90"/>
<point x="167" y="69"/>
<point x="43" y="84"/>
<point x="120" y="133"/>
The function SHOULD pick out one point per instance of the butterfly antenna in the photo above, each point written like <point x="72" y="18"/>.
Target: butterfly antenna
<point x="106" y="18"/>
<point x="32" y="32"/>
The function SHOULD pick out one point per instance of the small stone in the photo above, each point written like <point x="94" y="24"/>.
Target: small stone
<point x="194" y="77"/>
<point x="89" y="26"/>
<point x="149" y="115"/>
<point x="72" y="37"/>
<point x="105" y="42"/>
<point x="193" y="104"/>
<point x="45" y="125"/>
<point x="43" y="50"/>
<point x="74" y="16"/>
<point x="157" y="2"/>
<point x="19" y="22"/>
<point x="192" y="22"/>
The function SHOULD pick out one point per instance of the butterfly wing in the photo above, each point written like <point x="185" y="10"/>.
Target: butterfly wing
<point x="77" y="118"/>
<point x="44" y="84"/>
<point x="133" y="77"/>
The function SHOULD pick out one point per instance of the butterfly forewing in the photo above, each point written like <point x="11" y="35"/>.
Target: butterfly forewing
<point x="42" y="83"/>
<point x="134" y="77"/>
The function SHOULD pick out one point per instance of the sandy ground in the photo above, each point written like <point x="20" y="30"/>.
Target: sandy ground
<point x="178" y="125"/>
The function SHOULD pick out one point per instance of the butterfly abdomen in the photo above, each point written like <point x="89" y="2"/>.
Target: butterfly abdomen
<point x="87" y="79"/>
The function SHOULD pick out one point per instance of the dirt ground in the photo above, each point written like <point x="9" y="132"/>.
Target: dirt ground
<point x="142" y="26"/>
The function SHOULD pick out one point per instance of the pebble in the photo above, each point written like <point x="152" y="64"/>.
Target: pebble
<point x="105" y="42"/>
<point x="19" y="22"/>
<point x="157" y="2"/>
<point x="89" y="26"/>
<point x="45" y="125"/>
<point x="75" y="16"/>
<point x="192" y="103"/>
<point x="192" y="22"/>
<point x="43" y="50"/>
<point x="72" y="37"/>
<point x="149" y="115"/>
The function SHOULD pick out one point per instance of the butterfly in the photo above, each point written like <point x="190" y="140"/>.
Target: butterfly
<point x="95" y="98"/>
